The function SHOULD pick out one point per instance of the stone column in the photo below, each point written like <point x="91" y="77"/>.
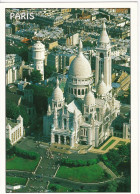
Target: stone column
<point x="59" y="139"/>
<point x="52" y="138"/>
<point x="62" y="123"/>
<point x="67" y="123"/>
<point x="89" y="136"/>
<point x="71" y="141"/>
<point x="110" y="71"/>
<point x="106" y="69"/>
<point x="65" y="140"/>
<point x="96" y="136"/>
<point x="97" y="71"/>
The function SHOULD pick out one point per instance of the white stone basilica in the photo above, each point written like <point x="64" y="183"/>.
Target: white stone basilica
<point x="83" y="115"/>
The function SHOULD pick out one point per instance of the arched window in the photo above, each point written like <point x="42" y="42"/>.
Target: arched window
<point x="101" y="55"/>
<point x="78" y="91"/>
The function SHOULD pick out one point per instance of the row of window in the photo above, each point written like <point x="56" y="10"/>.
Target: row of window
<point x="77" y="91"/>
<point x="81" y="81"/>
<point x="15" y="136"/>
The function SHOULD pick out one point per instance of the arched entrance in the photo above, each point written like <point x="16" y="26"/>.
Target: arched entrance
<point x="56" y="138"/>
<point x="62" y="139"/>
<point x="68" y="140"/>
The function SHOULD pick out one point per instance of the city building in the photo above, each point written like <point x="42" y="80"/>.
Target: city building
<point x="8" y="29"/>
<point x="14" y="130"/>
<point x="13" y="63"/>
<point x="83" y="115"/>
<point x="38" y="56"/>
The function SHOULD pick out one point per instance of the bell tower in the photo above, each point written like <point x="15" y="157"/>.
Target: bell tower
<point x="103" y="59"/>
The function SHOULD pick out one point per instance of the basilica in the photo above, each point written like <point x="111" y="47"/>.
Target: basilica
<point x="83" y="114"/>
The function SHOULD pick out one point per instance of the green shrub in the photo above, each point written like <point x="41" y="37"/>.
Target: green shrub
<point x="78" y="163"/>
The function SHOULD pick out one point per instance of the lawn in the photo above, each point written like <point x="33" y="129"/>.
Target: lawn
<point x="110" y="143"/>
<point x="15" y="181"/>
<point x="85" y="174"/>
<point x="19" y="163"/>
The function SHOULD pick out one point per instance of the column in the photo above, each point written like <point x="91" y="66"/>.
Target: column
<point x="71" y="141"/>
<point x="52" y="138"/>
<point x="97" y="71"/>
<point x="89" y="136"/>
<point x="59" y="139"/>
<point x="15" y="78"/>
<point x="110" y="73"/>
<point x="62" y="123"/>
<point x="65" y="140"/>
<point x="67" y="123"/>
<point x="96" y="136"/>
<point x="106" y="71"/>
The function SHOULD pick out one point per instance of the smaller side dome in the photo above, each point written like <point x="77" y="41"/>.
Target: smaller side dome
<point x="89" y="99"/>
<point x="57" y="93"/>
<point x="101" y="88"/>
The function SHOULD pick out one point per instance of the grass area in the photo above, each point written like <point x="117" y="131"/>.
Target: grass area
<point x="110" y="143"/>
<point x="120" y="143"/>
<point x="86" y="174"/>
<point x="58" y="188"/>
<point x="103" y="143"/>
<point x="19" y="163"/>
<point x="15" y="181"/>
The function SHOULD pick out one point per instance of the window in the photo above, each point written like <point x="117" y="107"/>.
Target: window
<point x="86" y="118"/>
<point x="65" y="123"/>
<point x="71" y="90"/>
<point x="78" y="91"/>
<point x="18" y="133"/>
<point x="82" y="91"/>
<point x="101" y="55"/>
<point x="75" y="91"/>
<point x="12" y="138"/>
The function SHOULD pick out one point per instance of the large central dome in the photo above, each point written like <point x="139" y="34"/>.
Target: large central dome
<point x="80" y="67"/>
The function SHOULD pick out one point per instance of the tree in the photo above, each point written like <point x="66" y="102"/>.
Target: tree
<point x="48" y="71"/>
<point x="8" y="144"/>
<point x="40" y="96"/>
<point x="24" y="115"/>
<point x="35" y="76"/>
<point x="12" y="110"/>
<point x="114" y="157"/>
<point x="111" y="187"/>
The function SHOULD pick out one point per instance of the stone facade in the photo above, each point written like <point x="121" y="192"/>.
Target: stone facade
<point x="14" y="130"/>
<point x="81" y="116"/>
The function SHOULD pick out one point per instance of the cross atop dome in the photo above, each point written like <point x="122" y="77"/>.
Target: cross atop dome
<point x="104" y="25"/>
<point x="80" y="46"/>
